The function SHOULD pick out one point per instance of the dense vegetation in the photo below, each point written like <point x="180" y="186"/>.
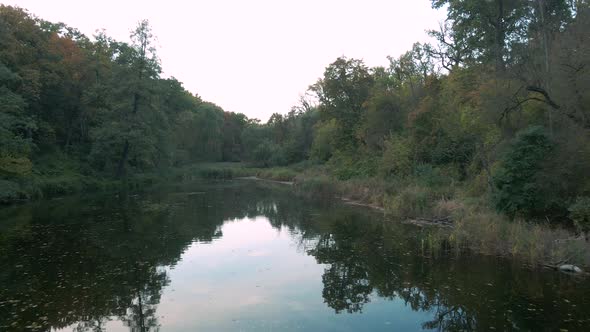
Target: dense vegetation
<point x="77" y="112"/>
<point x="497" y="109"/>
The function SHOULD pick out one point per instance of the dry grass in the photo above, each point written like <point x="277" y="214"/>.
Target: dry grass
<point x="477" y="227"/>
<point x="484" y="231"/>
<point x="447" y="207"/>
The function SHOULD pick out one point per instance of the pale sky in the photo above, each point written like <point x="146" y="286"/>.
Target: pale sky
<point x="253" y="56"/>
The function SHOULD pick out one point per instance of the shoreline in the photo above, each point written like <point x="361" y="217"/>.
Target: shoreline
<point x="459" y="224"/>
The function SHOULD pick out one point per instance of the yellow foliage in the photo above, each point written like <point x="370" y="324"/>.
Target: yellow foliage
<point x="17" y="166"/>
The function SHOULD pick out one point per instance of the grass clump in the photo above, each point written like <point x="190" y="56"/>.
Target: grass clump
<point x="479" y="228"/>
<point x="321" y="188"/>
<point x="410" y="202"/>
<point x="277" y="174"/>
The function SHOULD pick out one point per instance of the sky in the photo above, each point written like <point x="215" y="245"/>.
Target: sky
<point x="253" y="56"/>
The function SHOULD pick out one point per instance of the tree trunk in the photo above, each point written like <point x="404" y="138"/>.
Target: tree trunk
<point x="125" y="155"/>
<point x="545" y="46"/>
<point x="500" y="37"/>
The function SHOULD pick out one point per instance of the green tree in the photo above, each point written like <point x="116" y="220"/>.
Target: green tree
<point x="518" y="186"/>
<point x="487" y="28"/>
<point x="342" y="91"/>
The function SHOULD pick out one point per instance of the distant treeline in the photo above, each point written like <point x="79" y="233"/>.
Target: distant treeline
<point x="73" y="106"/>
<point x="500" y="103"/>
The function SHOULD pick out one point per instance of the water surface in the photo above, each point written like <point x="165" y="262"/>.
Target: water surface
<point x="244" y="256"/>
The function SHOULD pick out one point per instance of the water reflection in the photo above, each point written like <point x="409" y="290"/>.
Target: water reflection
<point x="244" y="256"/>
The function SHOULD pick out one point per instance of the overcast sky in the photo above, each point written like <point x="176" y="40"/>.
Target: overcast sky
<point x="253" y="56"/>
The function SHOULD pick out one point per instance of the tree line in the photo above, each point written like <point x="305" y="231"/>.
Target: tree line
<point x="498" y="102"/>
<point x="70" y="104"/>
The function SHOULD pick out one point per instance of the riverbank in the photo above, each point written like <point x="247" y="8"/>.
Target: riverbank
<point x="469" y="223"/>
<point x="61" y="178"/>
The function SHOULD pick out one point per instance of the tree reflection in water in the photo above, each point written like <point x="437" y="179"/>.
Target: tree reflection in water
<point x="82" y="263"/>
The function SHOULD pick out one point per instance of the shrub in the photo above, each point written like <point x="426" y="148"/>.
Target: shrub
<point x="518" y="188"/>
<point x="348" y="165"/>
<point x="15" y="166"/>
<point x="448" y="207"/>
<point x="411" y="202"/>
<point x="580" y="214"/>
<point x="323" y="143"/>
<point x="430" y="176"/>
<point x="277" y="174"/>
<point x="9" y="191"/>
<point x="485" y="231"/>
<point x="397" y="157"/>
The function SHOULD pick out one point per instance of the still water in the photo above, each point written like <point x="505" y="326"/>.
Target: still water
<point x="245" y="256"/>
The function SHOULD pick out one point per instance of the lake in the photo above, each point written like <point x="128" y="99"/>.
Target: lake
<point x="249" y="256"/>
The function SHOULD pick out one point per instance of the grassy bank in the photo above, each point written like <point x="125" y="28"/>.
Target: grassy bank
<point x="44" y="187"/>
<point x="480" y="229"/>
<point x="476" y="226"/>
<point x="60" y="178"/>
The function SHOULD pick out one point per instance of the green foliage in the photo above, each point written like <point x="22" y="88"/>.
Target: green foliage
<point x="435" y="177"/>
<point x="383" y="116"/>
<point x="488" y="29"/>
<point x="349" y="164"/>
<point x="15" y="166"/>
<point x="268" y="154"/>
<point x="342" y="91"/>
<point x="397" y="157"/>
<point x="517" y="182"/>
<point x="410" y="202"/>
<point x="9" y="191"/>
<point x="580" y="214"/>
<point x="323" y="145"/>
<point x="74" y="109"/>
<point x="198" y="132"/>
<point x="277" y="174"/>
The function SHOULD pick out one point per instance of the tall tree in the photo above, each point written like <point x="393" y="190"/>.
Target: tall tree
<point x="487" y="28"/>
<point x="143" y="65"/>
<point x="344" y="88"/>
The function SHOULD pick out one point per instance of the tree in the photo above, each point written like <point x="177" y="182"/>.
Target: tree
<point x="323" y="148"/>
<point x="488" y="29"/>
<point x="451" y="51"/>
<point x="234" y="125"/>
<point x="342" y="91"/>
<point x="580" y="214"/>
<point x="383" y="116"/>
<point x="518" y="188"/>
<point x="141" y="64"/>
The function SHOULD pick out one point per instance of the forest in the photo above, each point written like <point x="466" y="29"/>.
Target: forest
<point x="494" y="112"/>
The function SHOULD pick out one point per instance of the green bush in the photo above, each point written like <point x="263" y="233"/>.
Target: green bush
<point x="397" y="157"/>
<point x="348" y="165"/>
<point x="277" y="174"/>
<point x="411" y="202"/>
<point x="580" y="214"/>
<point x="323" y="143"/>
<point x="427" y="175"/>
<point x="60" y="185"/>
<point x="9" y="191"/>
<point x="518" y="186"/>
